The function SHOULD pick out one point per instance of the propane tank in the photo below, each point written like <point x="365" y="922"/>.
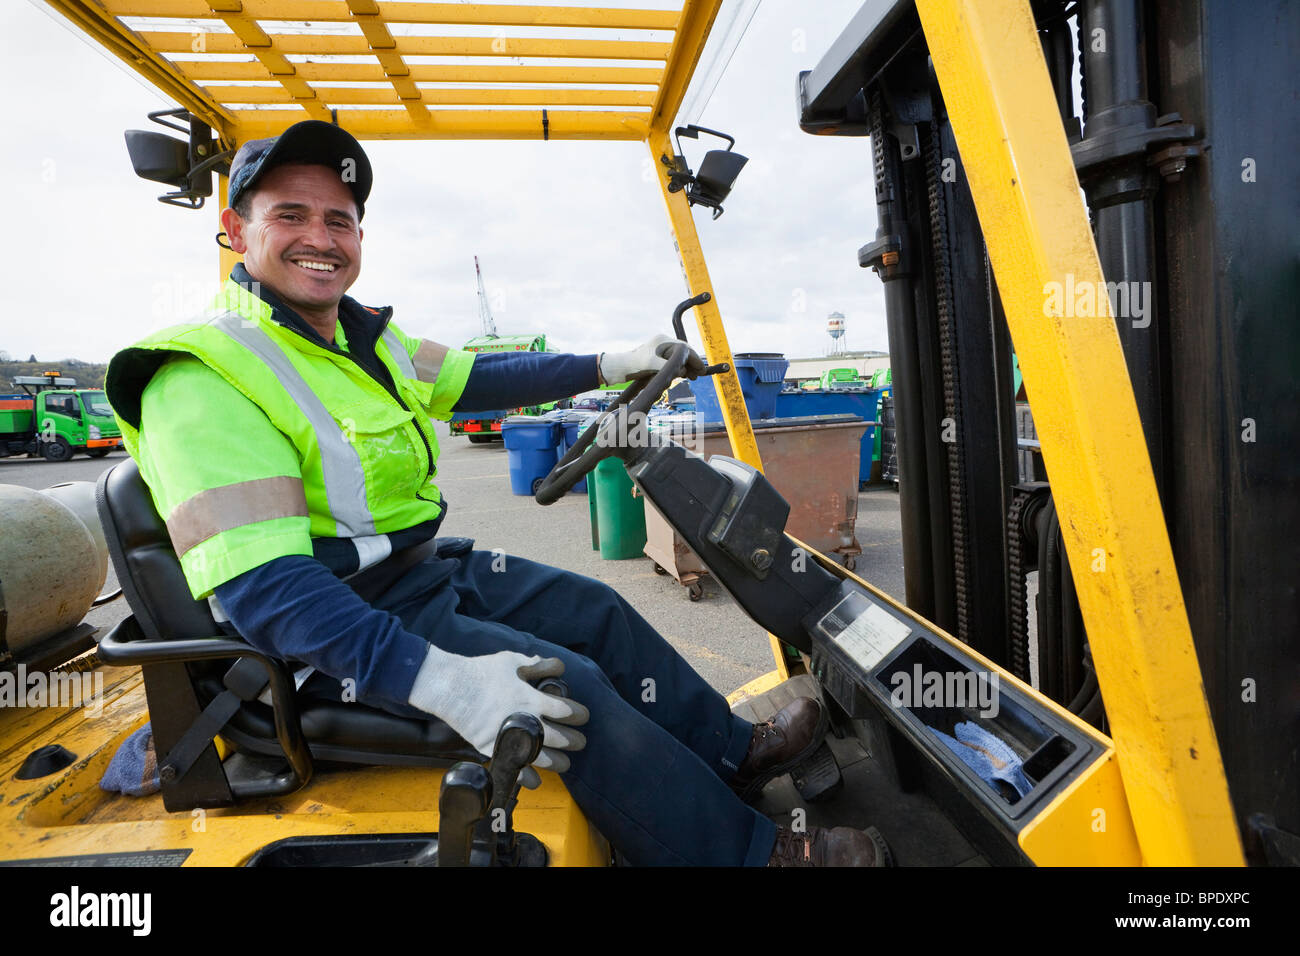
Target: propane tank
<point x="79" y="498"/>
<point x="51" y="568"/>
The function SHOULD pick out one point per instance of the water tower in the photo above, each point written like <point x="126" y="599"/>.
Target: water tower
<point x="835" y="326"/>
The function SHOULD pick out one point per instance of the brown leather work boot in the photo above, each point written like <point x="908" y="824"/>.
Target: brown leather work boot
<point x="841" y="846"/>
<point x="779" y="745"/>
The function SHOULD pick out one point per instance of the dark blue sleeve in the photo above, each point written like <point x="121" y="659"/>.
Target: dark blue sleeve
<point x="515" y="379"/>
<point x="293" y="608"/>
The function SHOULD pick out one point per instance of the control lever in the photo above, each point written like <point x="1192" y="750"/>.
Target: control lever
<point x="680" y="329"/>
<point x="466" y="794"/>
<point x="681" y="310"/>
<point x="518" y="743"/>
<point x="476" y="804"/>
<point x="474" y="797"/>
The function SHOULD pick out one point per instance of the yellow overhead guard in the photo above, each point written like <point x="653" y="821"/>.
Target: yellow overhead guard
<point x="406" y="70"/>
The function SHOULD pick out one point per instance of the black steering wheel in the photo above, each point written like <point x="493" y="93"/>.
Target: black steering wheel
<point x="587" y="452"/>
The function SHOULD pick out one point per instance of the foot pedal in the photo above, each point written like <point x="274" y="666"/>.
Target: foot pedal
<point x="818" y="777"/>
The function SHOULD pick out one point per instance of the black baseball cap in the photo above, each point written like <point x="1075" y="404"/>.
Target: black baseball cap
<point x="313" y="141"/>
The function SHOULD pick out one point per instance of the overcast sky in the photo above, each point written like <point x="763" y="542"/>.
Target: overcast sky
<point x="572" y="236"/>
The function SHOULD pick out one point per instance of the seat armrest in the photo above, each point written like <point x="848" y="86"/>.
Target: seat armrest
<point x="126" y="645"/>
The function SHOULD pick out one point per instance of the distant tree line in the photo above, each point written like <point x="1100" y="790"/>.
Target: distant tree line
<point x="87" y="374"/>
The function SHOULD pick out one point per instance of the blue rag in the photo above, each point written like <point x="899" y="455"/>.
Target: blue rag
<point x="987" y="755"/>
<point x="134" y="768"/>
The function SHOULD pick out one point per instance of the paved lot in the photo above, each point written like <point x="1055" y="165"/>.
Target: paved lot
<point x="719" y="640"/>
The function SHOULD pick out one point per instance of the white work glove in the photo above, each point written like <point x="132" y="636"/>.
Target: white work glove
<point x="473" y="695"/>
<point x="643" y="361"/>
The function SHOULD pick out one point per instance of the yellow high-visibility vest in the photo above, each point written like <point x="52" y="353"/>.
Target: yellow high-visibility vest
<point x="367" y="458"/>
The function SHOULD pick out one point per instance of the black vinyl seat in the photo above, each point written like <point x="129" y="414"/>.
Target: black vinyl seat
<point x="201" y="682"/>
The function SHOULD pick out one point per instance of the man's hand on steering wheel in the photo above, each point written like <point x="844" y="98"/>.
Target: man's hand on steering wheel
<point x="644" y="361"/>
<point x="673" y="357"/>
<point x="650" y="368"/>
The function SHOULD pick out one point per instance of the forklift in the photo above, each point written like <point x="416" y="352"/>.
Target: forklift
<point x="1137" y="712"/>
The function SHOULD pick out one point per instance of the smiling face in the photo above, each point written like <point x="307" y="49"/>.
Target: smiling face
<point x="301" y="238"/>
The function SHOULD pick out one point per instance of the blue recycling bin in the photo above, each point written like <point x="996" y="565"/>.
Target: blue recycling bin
<point x="761" y="375"/>
<point x="530" y="449"/>
<point x="569" y="433"/>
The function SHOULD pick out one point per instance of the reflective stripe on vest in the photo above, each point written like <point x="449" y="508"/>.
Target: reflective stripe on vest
<point x="428" y="360"/>
<point x="397" y="352"/>
<point x="345" y="479"/>
<point x="372" y="550"/>
<point x="215" y="510"/>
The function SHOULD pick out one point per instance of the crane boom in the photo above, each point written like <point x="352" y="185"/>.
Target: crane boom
<point x="484" y="313"/>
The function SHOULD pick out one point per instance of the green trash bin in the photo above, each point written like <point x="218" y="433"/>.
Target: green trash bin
<point x="617" y="518"/>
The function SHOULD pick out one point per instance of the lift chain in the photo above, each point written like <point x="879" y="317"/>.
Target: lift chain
<point x="954" y="451"/>
<point x="1026" y="500"/>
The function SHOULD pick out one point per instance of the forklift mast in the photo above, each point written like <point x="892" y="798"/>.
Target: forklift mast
<point x="1179" y="134"/>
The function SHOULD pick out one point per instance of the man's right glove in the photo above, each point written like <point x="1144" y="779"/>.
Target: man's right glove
<point x="474" y="695"/>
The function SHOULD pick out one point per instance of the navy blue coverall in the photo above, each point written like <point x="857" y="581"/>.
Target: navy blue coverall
<point x="661" y="743"/>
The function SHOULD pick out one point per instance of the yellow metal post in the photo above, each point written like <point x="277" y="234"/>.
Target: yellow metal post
<point x="708" y="316"/>
<point x="226" y="258"/>
<point x="692" y="34"/>
<point x="999" y="98"/>
<point x="709" y="319"/>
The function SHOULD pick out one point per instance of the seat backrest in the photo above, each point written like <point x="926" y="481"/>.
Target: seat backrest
<point x="145" y="561"/>
<point x="154" y="585"/>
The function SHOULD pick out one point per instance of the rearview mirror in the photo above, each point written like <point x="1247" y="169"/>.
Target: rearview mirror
<point x="712" y="184"/>
<point x="159" y="157"/>
<point x="718" y="174"/>
<point x="185" y="165"/>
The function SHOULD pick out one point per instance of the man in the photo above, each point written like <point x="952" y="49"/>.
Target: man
<point x="288" y="442"/>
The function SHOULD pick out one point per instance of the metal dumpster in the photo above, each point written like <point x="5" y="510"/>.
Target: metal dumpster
<point x="863" y="402"/>
<point x="812" y="461"/>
